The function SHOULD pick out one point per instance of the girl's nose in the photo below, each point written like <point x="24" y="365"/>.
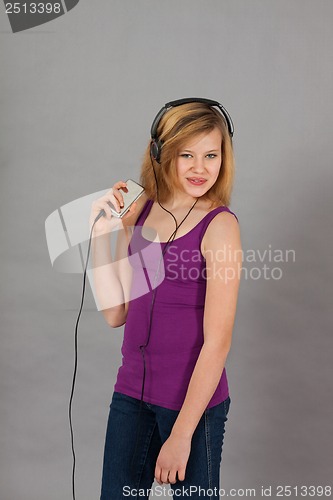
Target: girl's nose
<point x="198" y="165"/>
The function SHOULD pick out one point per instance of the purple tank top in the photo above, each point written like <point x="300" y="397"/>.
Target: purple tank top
<point x="176" y="335"/>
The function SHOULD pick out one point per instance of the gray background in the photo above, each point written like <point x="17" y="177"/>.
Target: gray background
<point x="77" y="99"/>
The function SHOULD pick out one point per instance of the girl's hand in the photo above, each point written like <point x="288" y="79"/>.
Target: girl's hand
<point x="107" y="222"/>
<point x="173" y="458"/>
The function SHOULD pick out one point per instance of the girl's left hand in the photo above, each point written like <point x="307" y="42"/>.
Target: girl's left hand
<point x="172" y="458"/>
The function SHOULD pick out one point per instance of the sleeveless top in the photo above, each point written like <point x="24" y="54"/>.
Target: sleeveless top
<point x="176" y="334"/>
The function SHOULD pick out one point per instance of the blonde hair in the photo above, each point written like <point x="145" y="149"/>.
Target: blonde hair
<point x="178" y="126"/>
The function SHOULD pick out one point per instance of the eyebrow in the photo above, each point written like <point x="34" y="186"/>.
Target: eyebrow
<point x="210" y="151"/>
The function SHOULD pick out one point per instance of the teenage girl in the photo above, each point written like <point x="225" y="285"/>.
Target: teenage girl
<point x="171" y="397"/>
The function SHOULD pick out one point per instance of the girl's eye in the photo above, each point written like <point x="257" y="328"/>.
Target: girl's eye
<point x="188" y="155"/>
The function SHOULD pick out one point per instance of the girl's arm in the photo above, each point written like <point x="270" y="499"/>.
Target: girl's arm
<point x="108" y="283"/>
<point x="112" y="277"/>
<point x="223" y="279"/>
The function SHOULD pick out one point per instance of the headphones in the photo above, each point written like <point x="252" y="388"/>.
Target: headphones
<point x="156" y="144"/>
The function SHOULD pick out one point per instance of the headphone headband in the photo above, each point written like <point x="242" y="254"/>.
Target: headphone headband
<point x="186" y="100"/>
<point x="156" y="144"/>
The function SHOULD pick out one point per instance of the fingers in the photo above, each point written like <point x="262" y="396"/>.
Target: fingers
<point x="112" y="197"/>
<point x="115" y="191"/>
<point x="157" y="474"/>
<point x="172" y="477"/>
<point x="165" y="476"/>
<point x="131" y="210"/>
<point x="181" y="473"/>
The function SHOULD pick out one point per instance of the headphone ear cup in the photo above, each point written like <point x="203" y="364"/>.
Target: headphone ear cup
<point x="155" y="150"/>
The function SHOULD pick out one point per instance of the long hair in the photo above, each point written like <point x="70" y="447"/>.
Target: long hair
<point x="178" y="126"/>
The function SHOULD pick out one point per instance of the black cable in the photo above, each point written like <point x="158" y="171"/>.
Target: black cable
<point x="75" y="359"/>
<point x="143" y="346"/>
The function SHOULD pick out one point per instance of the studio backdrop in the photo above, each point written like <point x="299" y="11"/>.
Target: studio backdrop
<point x="80" y="86"/>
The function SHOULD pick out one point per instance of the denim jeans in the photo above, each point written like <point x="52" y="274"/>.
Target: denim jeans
<point x="130" y="458"/>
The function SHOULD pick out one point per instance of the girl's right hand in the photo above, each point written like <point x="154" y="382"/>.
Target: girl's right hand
<point x="107" y="222"/>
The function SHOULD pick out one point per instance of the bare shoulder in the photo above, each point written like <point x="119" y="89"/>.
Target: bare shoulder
<point x="223" y="229"/>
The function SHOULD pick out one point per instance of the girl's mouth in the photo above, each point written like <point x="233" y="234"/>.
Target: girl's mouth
<point x="196" y="181"/>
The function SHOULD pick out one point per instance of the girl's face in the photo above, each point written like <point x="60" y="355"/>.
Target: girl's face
<point x="198" y="163"/>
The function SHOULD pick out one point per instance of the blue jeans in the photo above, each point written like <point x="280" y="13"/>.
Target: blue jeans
<point x="130" y="458"/>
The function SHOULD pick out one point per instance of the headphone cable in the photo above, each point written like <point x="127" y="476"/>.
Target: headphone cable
<point x="143" y="346"/>
<point x="75" y="358"/>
